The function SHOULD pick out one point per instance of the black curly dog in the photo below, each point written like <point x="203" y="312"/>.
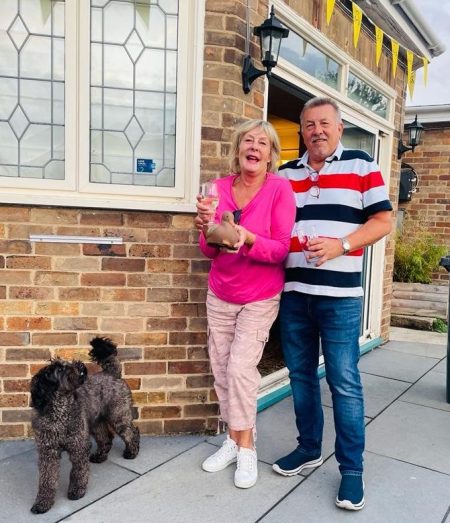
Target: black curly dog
<point x="69" y="407"/>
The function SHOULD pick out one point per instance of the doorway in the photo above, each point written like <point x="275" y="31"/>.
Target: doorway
<point x="285" y="102"/>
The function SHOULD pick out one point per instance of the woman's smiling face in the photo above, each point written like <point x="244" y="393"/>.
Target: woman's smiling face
<point x="254" y="152"/>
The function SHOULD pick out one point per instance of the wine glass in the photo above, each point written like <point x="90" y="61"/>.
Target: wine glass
<point x="210" y="196"/>
<point x="311" y="234"/>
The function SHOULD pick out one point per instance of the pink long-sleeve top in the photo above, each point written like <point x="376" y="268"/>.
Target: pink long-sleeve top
<point x="255" y="272"/>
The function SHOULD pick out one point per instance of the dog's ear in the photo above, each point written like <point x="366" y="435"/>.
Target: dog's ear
<point x="43" y="386"/>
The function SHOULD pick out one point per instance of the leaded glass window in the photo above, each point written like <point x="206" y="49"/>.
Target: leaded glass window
<point x="32" y="89"/>
<point x="133" y="91"/>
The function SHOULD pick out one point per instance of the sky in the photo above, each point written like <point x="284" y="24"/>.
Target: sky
<point x="437" y="91"/>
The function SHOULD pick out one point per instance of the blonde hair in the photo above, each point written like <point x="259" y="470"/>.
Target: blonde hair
<point x="243" y="129"/>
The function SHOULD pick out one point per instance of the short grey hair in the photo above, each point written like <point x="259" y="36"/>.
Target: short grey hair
<point x="244" y="128"/>
<point x="318" y="101"/>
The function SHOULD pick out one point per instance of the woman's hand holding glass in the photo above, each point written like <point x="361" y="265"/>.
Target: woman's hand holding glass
<point x="209" y="193"/>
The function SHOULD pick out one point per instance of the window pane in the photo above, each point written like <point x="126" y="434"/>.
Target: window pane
<point x="133" y="91"/>
<point x="32" y="89"/>
<point x="366" y="95"/>
<point x="308" y="58"/>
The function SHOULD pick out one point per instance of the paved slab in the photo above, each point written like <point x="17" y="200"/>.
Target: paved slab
<point x="431" y="350"/>
<point x="153" y="451"/>
<point x="12" y="448"/>
<point x="412" y="433"/>
<point x="395" y="492"/>
<point x="396" y="365"/>
<point x="379" y="392"/>
<point x="441" y="366"/>
<point x="429" y="391"/>
<point x="416" y="336"/>
<point x="180" y="492"/>
<point x="19" y="480"/>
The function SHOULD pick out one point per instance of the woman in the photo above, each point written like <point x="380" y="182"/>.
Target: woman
<point x="244" y="287"/>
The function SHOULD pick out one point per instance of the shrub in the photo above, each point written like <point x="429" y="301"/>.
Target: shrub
<point x="417" y="254"/>
<point x="440" y="325"/>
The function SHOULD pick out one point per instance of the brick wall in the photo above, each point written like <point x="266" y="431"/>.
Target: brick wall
<point x="148" y="294"/>
<point x="430" y="205"/>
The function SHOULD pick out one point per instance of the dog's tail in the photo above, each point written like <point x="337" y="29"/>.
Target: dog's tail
<point x="104" y="352"/>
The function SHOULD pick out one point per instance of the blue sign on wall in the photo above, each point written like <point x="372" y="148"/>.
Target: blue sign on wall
<point x="145" y="165"/>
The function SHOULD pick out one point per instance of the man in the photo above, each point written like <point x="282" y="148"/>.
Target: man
<point x="343" y="205"/>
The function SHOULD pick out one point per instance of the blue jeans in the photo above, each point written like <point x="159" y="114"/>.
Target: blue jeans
<point x="305" y="321"/>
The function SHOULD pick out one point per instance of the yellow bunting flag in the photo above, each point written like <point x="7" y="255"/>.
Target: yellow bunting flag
<point x="411" y="83"/>
<point x="394" y="46"/>
<point x="409" y="65"/>
<point x="330" y="7"/>
<point x="379" y="44"/>
<point x="425" y="70"/>
<point x="357" y="19"/>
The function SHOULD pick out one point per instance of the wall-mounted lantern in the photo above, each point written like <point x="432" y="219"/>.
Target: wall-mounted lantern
<point x="415" y="130"/>
<point x="270" y="33"/>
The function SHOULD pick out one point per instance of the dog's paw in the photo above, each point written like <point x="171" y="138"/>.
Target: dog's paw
<point x="130" y="454"/>
<point x="98" y="458"/>
<point x="76" y="493"/>
<point x="41" y="506"/>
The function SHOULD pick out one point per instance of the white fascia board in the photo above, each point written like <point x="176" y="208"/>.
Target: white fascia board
<point x="413" y="25"/>
<point x="428" y="113"/>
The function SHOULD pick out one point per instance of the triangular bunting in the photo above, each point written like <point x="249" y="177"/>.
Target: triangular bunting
<point x="378" y="44"/>
<point x="425" y="70"/>
<point x="357" y="20"/>
<point x="394" y="47"/>
<point x="330" y="7"/>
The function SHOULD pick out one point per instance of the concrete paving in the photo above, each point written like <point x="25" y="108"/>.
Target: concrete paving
<point x="407" y="460"/>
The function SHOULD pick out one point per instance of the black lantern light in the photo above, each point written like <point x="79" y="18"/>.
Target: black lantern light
<point x="270" y="33"/>
<point x="415" y="130"/>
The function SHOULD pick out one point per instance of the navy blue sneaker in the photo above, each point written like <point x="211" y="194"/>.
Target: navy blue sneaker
<point x="296" y="461"/>
<point x="351" y="492"/>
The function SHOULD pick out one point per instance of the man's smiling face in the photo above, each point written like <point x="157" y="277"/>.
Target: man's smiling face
<point x="321" y="131"/>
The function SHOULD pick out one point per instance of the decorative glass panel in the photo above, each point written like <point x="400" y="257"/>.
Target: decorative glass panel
<point x="32" y="89"/>
<point x="366" y="95"/>
<point x="308" y="58"/>
<point x="133" y="92"/>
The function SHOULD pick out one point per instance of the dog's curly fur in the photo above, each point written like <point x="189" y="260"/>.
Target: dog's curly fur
<point x="69" y="407"/>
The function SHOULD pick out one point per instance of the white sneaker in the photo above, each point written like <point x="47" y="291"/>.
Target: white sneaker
<point x="247" y="468"/>
<point x="226" y="455"/>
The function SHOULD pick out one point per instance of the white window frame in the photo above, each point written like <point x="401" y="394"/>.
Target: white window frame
<point x="76" y="190"/>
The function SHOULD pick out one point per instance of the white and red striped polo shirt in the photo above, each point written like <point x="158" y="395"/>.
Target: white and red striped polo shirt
<point x="351" y="189"/>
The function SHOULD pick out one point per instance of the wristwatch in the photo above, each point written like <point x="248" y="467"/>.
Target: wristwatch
<point x="345" y="245"/>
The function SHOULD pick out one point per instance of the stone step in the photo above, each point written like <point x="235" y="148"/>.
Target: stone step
<point x="412" y="322"/>
<point x="423" y="313"/>
<point x="421" y="296"/>
<point x="436" y="306"/>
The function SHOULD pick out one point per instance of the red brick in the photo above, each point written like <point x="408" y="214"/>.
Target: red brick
<point x="92" y="249"/>
<point x="12" y="431"/>
<point x="13" y="400"/>
<point x="14" y="338"/>
<point x="175" y="426"/>
<point x="13" y="371"/>
<point x="16" y="385"/>
<point x="160" y="412"/>
<point x="54" y="339"/>
<point x="33" y="323"/>
<point x="27" y="354"/>
<point x="118" y="264"/>
<point x="188" y="367"/>
<point x="111" y="279"/>
<point x="145" y="368"/>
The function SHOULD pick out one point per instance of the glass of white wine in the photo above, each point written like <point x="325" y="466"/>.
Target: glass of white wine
<point x="210" y="196"/>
